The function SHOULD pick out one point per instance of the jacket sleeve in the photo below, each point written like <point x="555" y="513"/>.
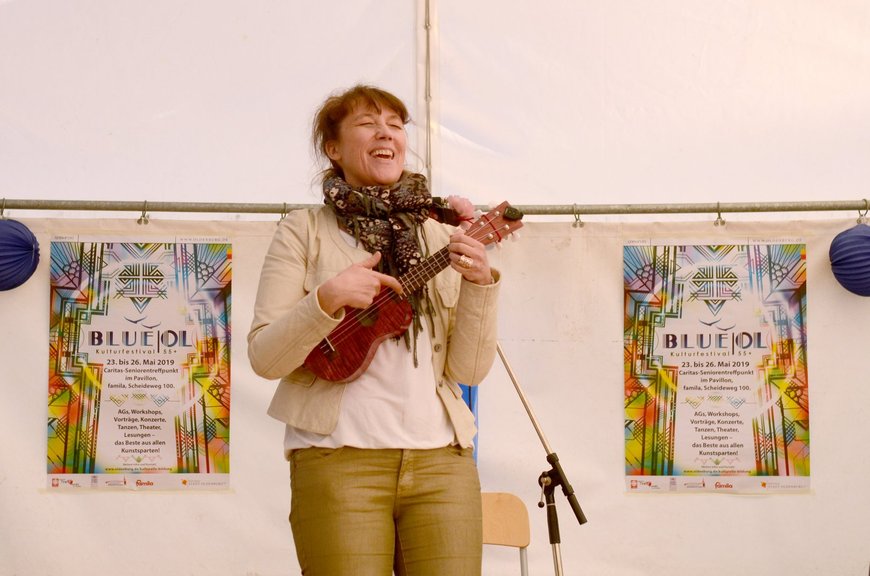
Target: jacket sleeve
<point x="473" y="333"/>
<point x="288" y="321"/>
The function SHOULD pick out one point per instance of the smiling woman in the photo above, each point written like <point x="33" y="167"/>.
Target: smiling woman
<point x="350" y="441"/>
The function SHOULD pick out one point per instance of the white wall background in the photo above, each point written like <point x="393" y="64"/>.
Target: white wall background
<point x="558" y="102"/>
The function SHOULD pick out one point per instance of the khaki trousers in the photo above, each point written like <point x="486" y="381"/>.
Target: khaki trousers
<point x="369" y="512"/>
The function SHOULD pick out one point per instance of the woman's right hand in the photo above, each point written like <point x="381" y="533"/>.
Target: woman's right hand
<point x="355" y="286"/>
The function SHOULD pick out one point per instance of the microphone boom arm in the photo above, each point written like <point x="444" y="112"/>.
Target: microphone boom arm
<point x="549" y="479"/>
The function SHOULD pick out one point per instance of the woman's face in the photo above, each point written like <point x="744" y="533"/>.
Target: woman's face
<point x="371" y="147"/>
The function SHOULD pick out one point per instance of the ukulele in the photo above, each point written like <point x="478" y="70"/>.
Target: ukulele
<point x="348" y="350"/>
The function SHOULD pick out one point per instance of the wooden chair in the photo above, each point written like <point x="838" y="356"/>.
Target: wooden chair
<point x="506" y="523"/>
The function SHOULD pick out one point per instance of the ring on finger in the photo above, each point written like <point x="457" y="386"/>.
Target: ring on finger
<point x="466" y="262"/>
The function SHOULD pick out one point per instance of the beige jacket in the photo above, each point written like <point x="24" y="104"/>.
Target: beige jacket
<point x="307" y="250"/>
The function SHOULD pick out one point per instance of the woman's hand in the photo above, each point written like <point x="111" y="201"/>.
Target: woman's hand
<point x="355" y="286"/>
<point x="468" y="257"/>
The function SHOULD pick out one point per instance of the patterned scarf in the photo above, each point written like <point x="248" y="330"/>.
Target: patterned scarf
<point x="386" y="219"/>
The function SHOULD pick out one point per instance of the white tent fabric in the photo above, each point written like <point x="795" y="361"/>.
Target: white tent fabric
<point x="557" y="102"/>
<point x="566" y="102"/>
<point x="625" y="102"/>
<point x="201" y="101"/>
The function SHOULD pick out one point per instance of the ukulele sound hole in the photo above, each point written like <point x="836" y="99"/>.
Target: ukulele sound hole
<point x="369" y="318"/>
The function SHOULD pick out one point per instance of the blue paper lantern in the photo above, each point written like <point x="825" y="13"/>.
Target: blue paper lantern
<point x="19" y="254"/>
<point x="850" y="259"/>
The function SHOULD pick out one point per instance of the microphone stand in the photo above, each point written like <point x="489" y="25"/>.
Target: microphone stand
<point x="549" y="479"/>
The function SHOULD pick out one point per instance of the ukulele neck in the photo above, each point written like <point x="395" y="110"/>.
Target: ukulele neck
<point x="425" y="270"/>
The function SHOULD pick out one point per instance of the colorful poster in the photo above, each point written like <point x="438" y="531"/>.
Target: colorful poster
<point x="139" y="364"/>
<point x="715" y="366"/>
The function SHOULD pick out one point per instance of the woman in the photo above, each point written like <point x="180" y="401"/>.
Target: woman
<point x="382" y="473"/>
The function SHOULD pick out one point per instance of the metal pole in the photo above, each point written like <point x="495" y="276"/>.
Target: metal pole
<point x="575" y="210"/>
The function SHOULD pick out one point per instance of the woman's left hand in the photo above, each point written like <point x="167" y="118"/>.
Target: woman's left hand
<point x="468" y="257"/>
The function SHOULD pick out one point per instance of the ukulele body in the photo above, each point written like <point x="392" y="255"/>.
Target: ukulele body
<point x="347" y="351"/>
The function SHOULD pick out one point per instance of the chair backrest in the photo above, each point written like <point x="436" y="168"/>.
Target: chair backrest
<point x="506" y="523"/>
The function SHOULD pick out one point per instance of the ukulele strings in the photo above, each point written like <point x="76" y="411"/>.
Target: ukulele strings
<point x="381" y="299"/>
